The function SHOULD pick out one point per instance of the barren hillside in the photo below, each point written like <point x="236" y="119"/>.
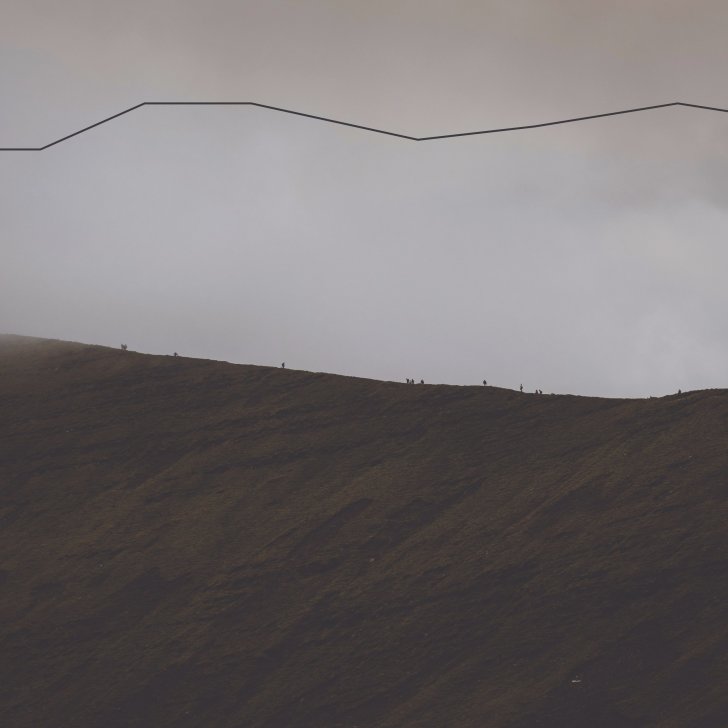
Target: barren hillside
<point x="192" y="543"/>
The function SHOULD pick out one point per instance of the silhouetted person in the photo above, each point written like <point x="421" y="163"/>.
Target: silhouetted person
<point x="485" y="383"/>
<point x="422" y="381"/>
<point x="123" y="347"/>
<point x="679" y="391"/>
<point x="176" y="354"/>
<point x="283" y="365"/>
<point x="521" y="388"/>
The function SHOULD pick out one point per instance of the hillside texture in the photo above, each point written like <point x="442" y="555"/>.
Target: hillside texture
<point x="192" y="543"/>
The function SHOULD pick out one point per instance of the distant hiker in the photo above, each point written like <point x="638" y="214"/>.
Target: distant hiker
<point x="176" y="354"/>
<point x="422" y="381"/>
<point x="283" y="365"/>
<point x="485" y="383"/>
<point x="521" y="388"/>
<point x="679" y="391"/>
<point x="123" y="347"/>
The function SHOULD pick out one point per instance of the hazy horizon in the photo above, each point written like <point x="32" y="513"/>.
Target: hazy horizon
<point x="585" y="258"/>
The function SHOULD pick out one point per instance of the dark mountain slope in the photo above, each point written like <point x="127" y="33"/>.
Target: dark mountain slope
<point x="193" y="543"/>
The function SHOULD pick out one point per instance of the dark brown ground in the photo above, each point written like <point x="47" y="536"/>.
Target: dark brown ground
<point x="194" y="543"/>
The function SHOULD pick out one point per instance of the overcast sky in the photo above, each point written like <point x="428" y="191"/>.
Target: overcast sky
<point x="588" y="258"/>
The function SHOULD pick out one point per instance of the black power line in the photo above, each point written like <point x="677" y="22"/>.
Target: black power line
<point x="356" y="126"/>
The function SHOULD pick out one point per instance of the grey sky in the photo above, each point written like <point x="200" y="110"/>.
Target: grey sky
<point x="586" y="258"/>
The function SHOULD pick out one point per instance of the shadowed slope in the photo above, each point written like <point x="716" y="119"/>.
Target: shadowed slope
<point x="195" y="543"/>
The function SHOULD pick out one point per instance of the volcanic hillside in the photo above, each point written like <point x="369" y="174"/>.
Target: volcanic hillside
<point x="193" y="543"/>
